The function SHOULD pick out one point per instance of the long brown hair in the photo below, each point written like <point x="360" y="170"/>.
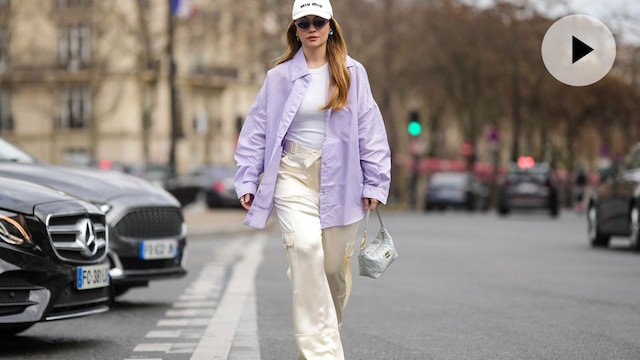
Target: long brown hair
<point x="339" y="77"/>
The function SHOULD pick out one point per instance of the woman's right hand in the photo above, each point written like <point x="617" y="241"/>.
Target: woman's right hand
<point x="246" y="200"/>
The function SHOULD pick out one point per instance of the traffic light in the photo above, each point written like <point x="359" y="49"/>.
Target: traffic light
<point x="415" y="127"/>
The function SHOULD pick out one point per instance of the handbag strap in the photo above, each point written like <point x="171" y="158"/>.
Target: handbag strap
<point x="363" y="243"/>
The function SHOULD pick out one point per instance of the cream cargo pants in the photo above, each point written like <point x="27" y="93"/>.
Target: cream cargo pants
<point x="319" y="259"/>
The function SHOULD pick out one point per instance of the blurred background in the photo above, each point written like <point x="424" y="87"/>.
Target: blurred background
<point x="159" y="88"/>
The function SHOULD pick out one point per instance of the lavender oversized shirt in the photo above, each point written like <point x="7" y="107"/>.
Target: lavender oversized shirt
<point x="356" y="159"/>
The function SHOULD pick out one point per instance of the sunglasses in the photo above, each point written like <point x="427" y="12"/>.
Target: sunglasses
<point x="304" y="23"/>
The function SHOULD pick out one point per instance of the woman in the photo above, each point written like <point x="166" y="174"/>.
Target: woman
<point x="314" y="148"/>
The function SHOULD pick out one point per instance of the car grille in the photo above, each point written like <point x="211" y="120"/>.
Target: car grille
<point x="137" y="264"/>
<point x="71" y="298"/>
<point x="151" y="223"/>
<point x="78" y="238"/>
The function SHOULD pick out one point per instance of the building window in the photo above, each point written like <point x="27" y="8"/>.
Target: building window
<point x="74" y="46"/>
<point x="4" y="48"/>
<point x="75" y="108"/>
<point x="6" y="120"/>
<point x="64" y="4"/>
<point x="75" y="156"/>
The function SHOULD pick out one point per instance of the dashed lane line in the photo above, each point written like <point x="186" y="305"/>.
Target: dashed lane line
<point x="218" y="338"/>
<point x="221" y="318"/>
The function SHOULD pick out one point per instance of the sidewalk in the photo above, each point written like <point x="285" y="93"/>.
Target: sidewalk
<point x="204" y="221"/>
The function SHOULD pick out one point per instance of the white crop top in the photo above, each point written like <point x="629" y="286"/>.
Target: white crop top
<point x="308" y="125"/>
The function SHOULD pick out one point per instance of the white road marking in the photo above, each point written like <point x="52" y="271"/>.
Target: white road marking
<point x="195" y="304"/>
<point x="246" y="345"/>
<point x="167" y="348"/>
<point x="219" y="336"/>
<point x="182" y="348"/>
<point x="181" y="334"/>
<point x="190" y="312"/>
<point x="222" y="318"/>
<point x="164" y="347"/>
<point x="184" y="322"/>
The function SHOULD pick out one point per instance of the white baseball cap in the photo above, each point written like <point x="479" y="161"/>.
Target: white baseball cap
<point x="320" y="8"/>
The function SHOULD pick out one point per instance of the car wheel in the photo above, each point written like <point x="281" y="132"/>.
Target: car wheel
<point x="471" y="203"/>
<point x="213" y="202"/>
<point x="634" y="229"/>
<point x="201" y="197"/>
<point x="503" y="210"/>
<point x="596" y="238"/>
<point x="553" y="211"/>
<point x="14" y="330"/>
<point x="486" y="205"/>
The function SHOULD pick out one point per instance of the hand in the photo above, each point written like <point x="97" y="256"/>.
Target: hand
<point x="246" y="200"/>
<point x="370" y="204"/>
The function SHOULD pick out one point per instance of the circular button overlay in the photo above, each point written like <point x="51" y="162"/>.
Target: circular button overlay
<point x="578" y="50"/>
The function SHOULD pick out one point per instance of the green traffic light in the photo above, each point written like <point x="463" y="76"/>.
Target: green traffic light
<point x="414" y="128"/>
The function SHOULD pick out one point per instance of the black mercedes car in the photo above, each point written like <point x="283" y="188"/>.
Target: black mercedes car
<point x="53" y="256"/>
<point x="529" y="186"/>
<point x="148" y="233"/>
<point x="212" y="185"/>
<point x="613" y="207"/>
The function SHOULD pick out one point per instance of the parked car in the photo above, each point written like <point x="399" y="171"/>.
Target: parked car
<point x="148" y="233"/>
<point x="613" y="207"/>
<point x="529" y="185"/>
<point x="212" y="185"/>
<point x="157" y="174"/>
<point x="53" y="256"/>
<point x="458" y="190"/>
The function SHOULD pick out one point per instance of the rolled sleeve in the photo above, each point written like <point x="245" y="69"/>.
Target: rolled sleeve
<point x="375" y="153"/>
<point x="250" y="153"/>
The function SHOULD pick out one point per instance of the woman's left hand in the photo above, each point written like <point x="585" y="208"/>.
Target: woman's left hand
<point x="370" y="204"/>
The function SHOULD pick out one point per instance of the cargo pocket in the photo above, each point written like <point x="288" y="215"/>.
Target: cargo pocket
<point x="288" y="240"/>
<point x="349" y="250"/>
<point x="347" y="277"/>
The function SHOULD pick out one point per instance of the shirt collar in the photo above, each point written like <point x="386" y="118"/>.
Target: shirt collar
<point x="299" y="65"/>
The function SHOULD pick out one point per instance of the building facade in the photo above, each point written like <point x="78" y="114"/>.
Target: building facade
<point x="82" y="81"/>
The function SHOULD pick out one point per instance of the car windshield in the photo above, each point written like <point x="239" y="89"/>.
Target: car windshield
<point x="9" y="152"/>
<point x="536" y="176"/>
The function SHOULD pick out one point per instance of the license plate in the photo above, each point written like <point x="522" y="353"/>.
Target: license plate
<point x="158" y="249"/>
<point x="92" y="277"/>
<point x="448" y="193"/>
<point x="528" y="188"/>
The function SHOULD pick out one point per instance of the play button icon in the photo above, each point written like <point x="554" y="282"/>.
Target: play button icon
<point x="578" y="50"/>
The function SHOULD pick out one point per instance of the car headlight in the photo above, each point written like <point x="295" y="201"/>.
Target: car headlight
<point x="105" y="207"/>
<point x="14" y="230"/>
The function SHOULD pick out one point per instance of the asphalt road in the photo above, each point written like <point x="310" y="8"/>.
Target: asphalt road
<point x="464" y="287"/>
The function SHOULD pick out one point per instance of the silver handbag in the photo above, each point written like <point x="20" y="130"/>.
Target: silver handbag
<point x="376" y="257"/>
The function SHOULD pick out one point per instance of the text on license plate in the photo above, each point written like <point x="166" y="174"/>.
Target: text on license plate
<point x="158" y="249"/>
<point x="92" y="277"/>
